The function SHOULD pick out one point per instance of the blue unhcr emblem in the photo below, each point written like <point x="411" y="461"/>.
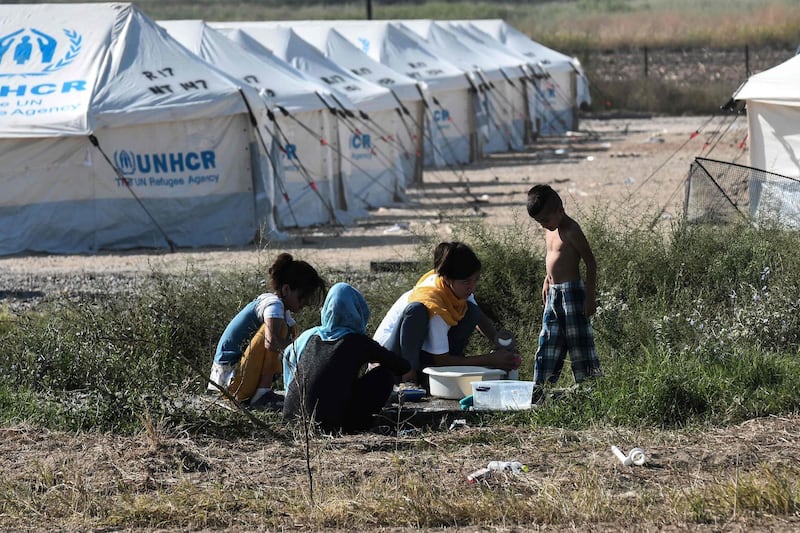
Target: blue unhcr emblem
<point x="125" y="161"/>
<point x="30" y="52"/>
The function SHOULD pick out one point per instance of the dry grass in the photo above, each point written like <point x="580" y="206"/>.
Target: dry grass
<point x="671" y="23"/>
<point x="744" y="476"/>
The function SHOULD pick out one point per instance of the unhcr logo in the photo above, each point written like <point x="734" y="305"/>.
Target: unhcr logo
<point x="129" y="162"/>
<point x="125" y="161"/>
<point x="361" y="146"/>
<point x="32" y="52"/>
<point x="360" y="141"/>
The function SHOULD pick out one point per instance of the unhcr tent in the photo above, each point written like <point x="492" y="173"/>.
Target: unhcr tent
<point x="772" y="98"/>
<point x="373" y="162"/>
<point x="408" y="92"/>
<point x="565" y="87"/>
<point x="114" y="136"/>
<point x="449" y="119"/>
<point x="308" y="173"/>
<point x="773" y="118"/>
<point x="529" y="87"/>
<point x="501" y="106"/>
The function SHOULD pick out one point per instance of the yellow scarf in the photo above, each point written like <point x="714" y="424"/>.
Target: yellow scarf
<point x="439" y="299"/>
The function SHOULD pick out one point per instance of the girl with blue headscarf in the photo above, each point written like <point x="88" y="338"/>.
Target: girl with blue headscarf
<point x="322" y="368"/>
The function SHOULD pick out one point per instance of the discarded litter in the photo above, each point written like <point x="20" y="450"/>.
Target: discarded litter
<point x="628" y="181"/>
<point x="458" y="423"/>
<point x="507" y="466"/>
<point x="479" y="474"/>
<point x="515" y="467"/>
<point x="635" y="457"/>
<point x="397" y="228"/>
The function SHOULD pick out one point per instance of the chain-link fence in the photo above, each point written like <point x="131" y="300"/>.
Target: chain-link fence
<point x="720" y="192"/>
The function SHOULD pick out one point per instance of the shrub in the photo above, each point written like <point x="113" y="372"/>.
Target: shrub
<point x="699" y="325"/>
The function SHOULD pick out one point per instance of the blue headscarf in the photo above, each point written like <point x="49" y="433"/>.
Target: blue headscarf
<point x="345" y="311"/>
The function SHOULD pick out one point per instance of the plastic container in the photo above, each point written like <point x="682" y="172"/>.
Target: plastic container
<point x="411" y="395"/>
<point x="501" y="395"/>
<point x="455" y="382"/>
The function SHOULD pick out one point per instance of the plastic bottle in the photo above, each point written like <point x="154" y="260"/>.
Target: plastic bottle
<point x="507" y="466"/>
<point x="514" y="373"/>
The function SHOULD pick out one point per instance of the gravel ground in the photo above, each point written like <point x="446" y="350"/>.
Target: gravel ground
<point x="625" y="165"/>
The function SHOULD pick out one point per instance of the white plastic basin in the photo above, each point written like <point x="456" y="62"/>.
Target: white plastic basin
<point x="455" y="382"/>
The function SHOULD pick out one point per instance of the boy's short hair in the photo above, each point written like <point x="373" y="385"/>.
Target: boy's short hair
<point x="542" y="197"/>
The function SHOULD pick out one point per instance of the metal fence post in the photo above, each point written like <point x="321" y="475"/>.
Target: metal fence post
<point x="747" y="61"/>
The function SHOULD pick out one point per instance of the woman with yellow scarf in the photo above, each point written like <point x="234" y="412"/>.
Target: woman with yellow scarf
<point x="431" y="324"/>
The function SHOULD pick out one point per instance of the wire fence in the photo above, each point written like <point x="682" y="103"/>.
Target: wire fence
<point x="673" y="80"/>
<point x="720" y="192"/>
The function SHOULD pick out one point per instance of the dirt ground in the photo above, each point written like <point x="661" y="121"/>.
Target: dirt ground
<point x="687" y="483"/>
<point x="629" y="165"/>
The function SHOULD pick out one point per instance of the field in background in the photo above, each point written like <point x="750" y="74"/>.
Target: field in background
<point x="571" y="25"/>
<point x="702" y="45"/>
<point x="669" y="57"/>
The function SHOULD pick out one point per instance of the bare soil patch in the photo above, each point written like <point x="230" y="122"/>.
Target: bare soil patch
<point x="630" y="166"/>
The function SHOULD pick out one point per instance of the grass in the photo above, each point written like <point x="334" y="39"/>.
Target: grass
<point x="564" y="25"/>
<point x="182" y="484"/>
<point x="700" y="325"/>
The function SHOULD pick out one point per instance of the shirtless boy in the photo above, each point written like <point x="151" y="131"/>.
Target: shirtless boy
<point x="568" y="300"/>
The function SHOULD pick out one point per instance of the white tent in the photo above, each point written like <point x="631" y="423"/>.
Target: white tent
<point x="373" y="162"/>
<point x="501" y="109"/>
<point x="773" y="119"/>
<point x="407" y="91"/>
<point x="531" y="73"/>
<point x="565" y="87"/>
<point x="113" y="136"/>
<point x="450" y="128"/>
<point x="308" y="175"/>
